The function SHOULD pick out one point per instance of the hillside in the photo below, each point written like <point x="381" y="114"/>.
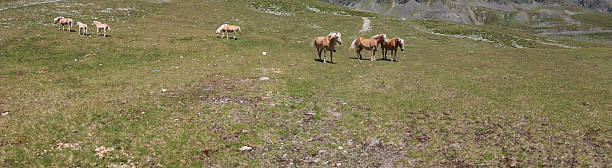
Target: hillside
<point x="163" y="91"/>
<point x="552" y="17"/>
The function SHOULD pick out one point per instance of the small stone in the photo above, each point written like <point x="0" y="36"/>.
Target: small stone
<point x="264" y="79"/>
<point x="244" y="148"/>
<point x="264" y="53"/>
<point x="340" y="147"/>
<point x="164" y="90"/>
<point x="5" y="114"/>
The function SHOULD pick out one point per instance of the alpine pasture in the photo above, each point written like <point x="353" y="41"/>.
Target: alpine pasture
<point x="161" y="90"/>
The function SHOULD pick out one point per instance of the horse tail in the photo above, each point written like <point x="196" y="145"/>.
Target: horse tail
<point x="239" y="31"/>
<point x="353" y="44"/>
<point x="107" y="27"/>
<point x="314" y="41"/>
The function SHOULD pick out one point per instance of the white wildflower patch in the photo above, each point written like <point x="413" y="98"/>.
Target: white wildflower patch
<point x="30" y="4"/>
<point x="317" y="10"/>
<point x="313" y="9"/>
<point x="62" y="146"/>
<point x="271" y="9"/>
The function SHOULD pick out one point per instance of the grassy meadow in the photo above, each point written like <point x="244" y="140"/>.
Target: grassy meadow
<point x="453" y="99"/>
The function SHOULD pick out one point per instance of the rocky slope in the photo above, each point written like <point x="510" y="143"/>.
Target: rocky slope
<point x="538" y="13"/>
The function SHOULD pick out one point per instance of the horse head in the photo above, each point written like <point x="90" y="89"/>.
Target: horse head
<point x="401" y="43"/>
<point x="57" y="19"/>
<point x="220" y="29"/>
<point x="336" y="36"/>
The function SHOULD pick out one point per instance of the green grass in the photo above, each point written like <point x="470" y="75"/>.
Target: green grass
<point x="447" y="102"/>
<point x="595" y="19"/>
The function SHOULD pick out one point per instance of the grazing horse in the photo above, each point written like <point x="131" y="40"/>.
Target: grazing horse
<point x="225" y="28"/>
<point x="99" y="26"/>
<point x="82" y="27"/>
<point x="392" y="44"/>
<point x="62" y="22"/>
<point x="327" y="43"/>
<point x="368" y="43"/>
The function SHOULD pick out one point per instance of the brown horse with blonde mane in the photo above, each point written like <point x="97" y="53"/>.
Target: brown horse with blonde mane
<point x="82" y="27"/>
<point x="99" y="26"/>
<point x="225" y="28"/>
<point x="368" y="43"/>
<point x="392" y="45"/>
<point x="327" y="43"/>
<point x="63" y="22"/>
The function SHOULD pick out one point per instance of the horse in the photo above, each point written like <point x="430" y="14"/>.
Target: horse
<point x="392" y="44"/>
<point x="82" y="27"/>
<point x="327" y="43"/>
<point x="99" y="26"/>
<point x="62" y="22"/>
<point x="367" y="43"/>
<point x="225" y="28"/>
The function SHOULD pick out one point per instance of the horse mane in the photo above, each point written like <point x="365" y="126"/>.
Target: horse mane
<point x="376" y="36"/>
<point x="220" y="28"/>
<point x="337" y="35"/>
<point x="57" y="19"/>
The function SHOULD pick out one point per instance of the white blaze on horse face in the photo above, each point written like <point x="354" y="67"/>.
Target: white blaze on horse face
<point x="402" y="42"/>
<point x="338" y="35"/>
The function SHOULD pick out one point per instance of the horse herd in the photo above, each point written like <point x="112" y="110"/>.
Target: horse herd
<point x="323" y="44"/>
<point x="327" y="43"/>
<point x="82" y="27"/>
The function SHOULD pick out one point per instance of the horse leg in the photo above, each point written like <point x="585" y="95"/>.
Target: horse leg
<point x="395" y="55"/>
<point x="234" y="35"/>
<point x="319" y="51"/>
<point x="373" y="52"/>
<point x="331" y="56"/>
<point x="324" y="55"/>
<point x="385" y="53"/>
<point x="104" y="32"/>
<point x="359" y="52"/>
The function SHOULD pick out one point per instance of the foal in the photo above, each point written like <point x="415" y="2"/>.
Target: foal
<point x="225" y="28"/>
<point x="392" y="44"/>
<point x="327" y="43"/>
<point x="62" y="22"/>
<point x="82" y="27"/>
<point x="368" y="43"/>
<point x="99" y="26"/>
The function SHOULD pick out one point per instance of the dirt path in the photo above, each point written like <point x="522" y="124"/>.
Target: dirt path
<point x="366" y="25"/>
